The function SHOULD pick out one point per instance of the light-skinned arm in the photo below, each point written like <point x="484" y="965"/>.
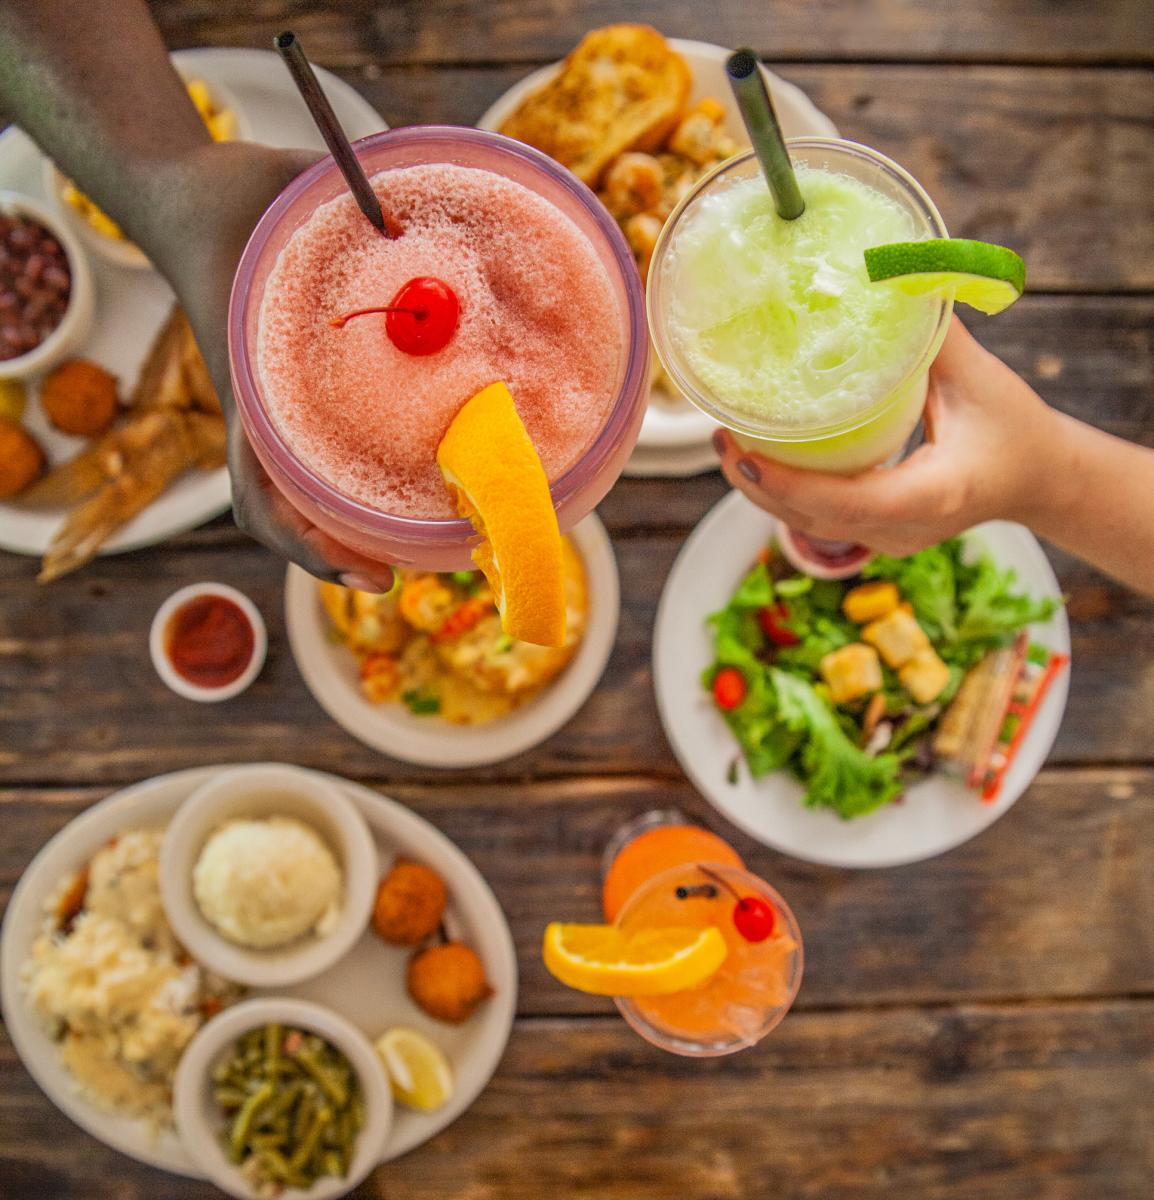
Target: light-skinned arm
<point x="993" y="449"/>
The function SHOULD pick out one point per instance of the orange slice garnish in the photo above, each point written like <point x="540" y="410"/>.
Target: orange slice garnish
<point x="607" y="961"/>
<point x="497" y="480"/>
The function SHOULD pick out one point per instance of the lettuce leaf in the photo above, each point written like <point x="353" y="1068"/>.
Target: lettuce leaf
<point x="992" y="613"/>
<point x="929" y="581"/>
<point x="967" y="608"/>
<point x="837" y="773"/>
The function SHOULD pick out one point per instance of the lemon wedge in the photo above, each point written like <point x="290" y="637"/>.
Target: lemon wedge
<point x="418" y="1069"/>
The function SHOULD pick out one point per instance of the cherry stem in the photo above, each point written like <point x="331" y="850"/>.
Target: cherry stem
<point x="340" y="322"/>
<point x="701" y="889"/>
<point x="722" y="880"/>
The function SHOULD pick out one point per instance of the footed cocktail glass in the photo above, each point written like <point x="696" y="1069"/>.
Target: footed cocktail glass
<point x="688" y="876"/>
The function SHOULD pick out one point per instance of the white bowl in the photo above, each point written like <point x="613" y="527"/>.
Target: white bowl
<point x="266" y="790"/>
<point x="76" y="323"/>
<point x="124" y="253"/>
<point x="331" y="673"/>
<point x="200" y="1122"/>
<point x="163" y="665"/>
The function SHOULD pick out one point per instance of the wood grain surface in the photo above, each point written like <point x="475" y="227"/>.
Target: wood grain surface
<point x="977" y="1027"/>
<point x="348" y="33"/>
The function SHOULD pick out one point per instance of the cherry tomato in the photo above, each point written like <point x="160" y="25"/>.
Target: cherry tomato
<point x="728" y="688"/>
<point x="773" y="624"/>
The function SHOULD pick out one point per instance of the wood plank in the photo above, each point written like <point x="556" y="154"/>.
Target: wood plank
<point x="953" y="1104"/>
<point x="1051" y="902"/>
<point x="1057" y="163"/>
<point x="455" y="31"/>
<point x="83" y="703"/>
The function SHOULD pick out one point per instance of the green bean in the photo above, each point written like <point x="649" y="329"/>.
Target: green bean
<point x="304" y="1115"/>
<point x="230" y="1097"/>
<point x="274" y="1163"/>
<point x="285" y="1099"/>
<point x="305" y="1150"/>
<point x="332" y="1163"/>
<point x="356" y="1110"/>
<point x="272" y="1041"/>
<point x="244" y="1118"/>
<point x="333" y="1088"/>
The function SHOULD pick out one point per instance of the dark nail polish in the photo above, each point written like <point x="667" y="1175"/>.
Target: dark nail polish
<point x="719" y="441"/>
<point x="749" y="469"/>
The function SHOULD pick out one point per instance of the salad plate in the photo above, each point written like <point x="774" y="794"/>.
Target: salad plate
<point x="367" y="986"/>
<point x="936" y="812"/>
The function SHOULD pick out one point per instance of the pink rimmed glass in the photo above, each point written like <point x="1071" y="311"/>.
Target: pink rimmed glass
<point x="435" y="544"/>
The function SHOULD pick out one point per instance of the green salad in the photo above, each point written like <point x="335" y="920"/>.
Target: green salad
<point x="844" y="682"/>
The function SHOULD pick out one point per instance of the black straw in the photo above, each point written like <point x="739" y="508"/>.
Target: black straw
<point x="340" y="147"/>
<point x="757" y="112"/>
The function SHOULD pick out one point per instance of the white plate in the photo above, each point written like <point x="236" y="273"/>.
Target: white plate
<point x="937" y="814"/>
<point x="672" y="423"/>
<point x="367" y="986"/>
<point x="131" y="304"/>
<point x="330" y="671"/>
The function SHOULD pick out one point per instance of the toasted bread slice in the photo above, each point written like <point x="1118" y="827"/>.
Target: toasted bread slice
<point x="622" y="88"/>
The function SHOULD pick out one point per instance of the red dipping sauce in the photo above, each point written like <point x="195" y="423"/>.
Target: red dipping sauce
<point x="210" y="641"/>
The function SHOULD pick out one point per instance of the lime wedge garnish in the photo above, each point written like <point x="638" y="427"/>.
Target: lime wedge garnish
<point x="980" y="274"/>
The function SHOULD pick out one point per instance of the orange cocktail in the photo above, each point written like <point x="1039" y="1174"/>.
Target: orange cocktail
<point x="663" y="873"/>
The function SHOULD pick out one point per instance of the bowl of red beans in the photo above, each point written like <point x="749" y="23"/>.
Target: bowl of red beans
<point x="46" y="290"/>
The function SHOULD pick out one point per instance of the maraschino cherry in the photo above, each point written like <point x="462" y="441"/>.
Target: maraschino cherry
<point x="753" y="917"/>
<point x="420" y="319"/>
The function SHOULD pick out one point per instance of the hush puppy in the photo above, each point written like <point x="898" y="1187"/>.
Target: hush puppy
<point x="410" y="903"/>
<point x="21" y="459"/>
<point x="448" y="982"/>
<point x="80" y="397"/>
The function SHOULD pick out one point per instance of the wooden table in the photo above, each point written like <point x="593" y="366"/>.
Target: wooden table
<point x="977" y="1026"/>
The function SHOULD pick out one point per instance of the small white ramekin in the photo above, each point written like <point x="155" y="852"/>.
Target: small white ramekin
<point x="201" y="1124"/>
<point x="159" y="652"/>
<point x="267" y="790"/>
<point x="76" y="323"/>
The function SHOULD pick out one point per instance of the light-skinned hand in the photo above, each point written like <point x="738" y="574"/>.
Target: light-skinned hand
<point x="984" y="456"/>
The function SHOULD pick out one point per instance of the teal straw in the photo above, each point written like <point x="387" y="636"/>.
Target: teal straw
<point x="757" y="112"/>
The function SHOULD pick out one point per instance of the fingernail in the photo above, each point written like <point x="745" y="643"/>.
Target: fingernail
<point x="719" y="441"/>
<point x="749" y="469"/>
<point x="362" y="583"/>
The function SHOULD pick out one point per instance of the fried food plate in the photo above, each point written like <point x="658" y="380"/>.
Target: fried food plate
<point x="936" y="815"/>
<point x="674" y="439"/>
<point x="367" y="986"/>
<point x="331" y="673"/>
<point x="131" y="305"/>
